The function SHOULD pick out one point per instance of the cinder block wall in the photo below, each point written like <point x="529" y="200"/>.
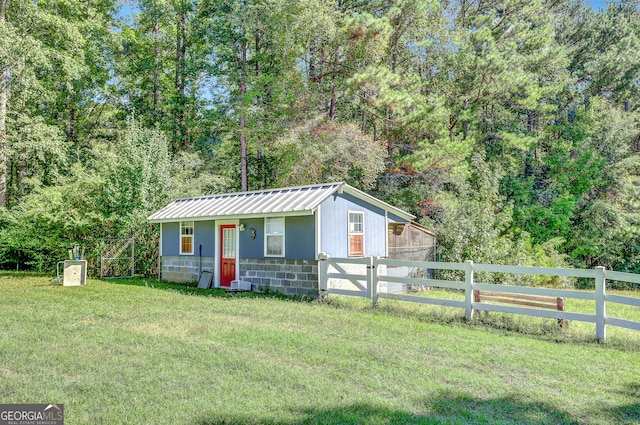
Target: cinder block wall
<point x="289" y="277"/>
<point x="184" y="268"/>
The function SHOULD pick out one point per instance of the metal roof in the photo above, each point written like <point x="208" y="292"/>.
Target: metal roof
<point x="299" y="200"/>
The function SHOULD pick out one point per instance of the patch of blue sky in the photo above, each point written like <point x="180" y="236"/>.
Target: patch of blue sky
<point x="599" y="4"/>
<point x="127" y="10"/>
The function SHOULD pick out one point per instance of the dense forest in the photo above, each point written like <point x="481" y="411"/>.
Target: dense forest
<point x="509" y="127"/>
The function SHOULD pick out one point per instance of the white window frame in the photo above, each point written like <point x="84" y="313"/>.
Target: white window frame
<point x="184" y="224"/>
<point x="350" y="233"/>
<point x="266" y="236"/>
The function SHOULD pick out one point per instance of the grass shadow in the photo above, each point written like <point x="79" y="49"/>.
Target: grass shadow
<point x="445" y="409"/>
<point x="191" y="288"/>
<point x="629" y="413"/>
<point x="632" y="389"/>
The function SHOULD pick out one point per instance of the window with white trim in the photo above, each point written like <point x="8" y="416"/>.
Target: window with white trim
<point x="274" y="237"/>
<point x="186" y="237"/>
<point x="356" y="234"/>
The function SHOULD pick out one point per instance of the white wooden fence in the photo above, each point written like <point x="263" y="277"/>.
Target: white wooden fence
<point x="365" y="277"/>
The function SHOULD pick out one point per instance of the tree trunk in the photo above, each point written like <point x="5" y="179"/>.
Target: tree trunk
<point x="332" y="103"/>
<point x="394" y="57"/>
<point x="156" y="72"/>
<point x="363" y="126"/>
<point x="21" y="172"/>
<point x="181" y="53"/>
<point x="312" y="64"/>
<point x="4" y="99"/>
<point x="243" y="119"/>
<point x="72" y="126"/>
<point x="257" y="53"/>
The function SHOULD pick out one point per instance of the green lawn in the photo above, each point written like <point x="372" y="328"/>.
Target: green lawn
<point x="118" y="353"/>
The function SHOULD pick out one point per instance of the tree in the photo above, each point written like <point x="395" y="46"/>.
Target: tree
<point x="324" y="151"/>
<point x="140" y="175"/>
<point x="4" y="97"/>
<point x="478" y="226"/>
<point x="161" y="63"/>
<point x="604" y="50"/>
<point x="257" y="46"/>
<point x="49" y="63"/>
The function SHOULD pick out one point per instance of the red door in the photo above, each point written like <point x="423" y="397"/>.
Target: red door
<point x="227" y="254"/>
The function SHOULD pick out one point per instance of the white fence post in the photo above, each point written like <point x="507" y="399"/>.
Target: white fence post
<point x="468" y="289"/>
<point x="372" y="272"/>
<point x="601" y="307"/>
<point x="323" y="274"/>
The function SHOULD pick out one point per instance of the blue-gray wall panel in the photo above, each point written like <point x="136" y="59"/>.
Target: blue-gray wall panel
<point x="252" y="248"/>
<point x="300" y="239"/>
<point x="335" y="220"/>
<point x="170" y="239"/>
<point x="203" y="234"/>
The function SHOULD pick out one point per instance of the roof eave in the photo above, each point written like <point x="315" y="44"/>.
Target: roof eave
<point x="232" y="216"/>
<point x="375" y="201"/>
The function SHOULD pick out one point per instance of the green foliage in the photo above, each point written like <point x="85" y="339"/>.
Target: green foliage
<point x="322" y="151"/>
<point x="579" y="187"/>
<point x="140" y="178"/>
<point x="604" y="47"/>
<point x="110" y="201"/>
<point x="477" y="226"/>
<point x="51" y="219"/>
<point x="193" y="175"/>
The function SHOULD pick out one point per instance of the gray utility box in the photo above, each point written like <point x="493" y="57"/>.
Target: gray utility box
<point x="75" y="273"/>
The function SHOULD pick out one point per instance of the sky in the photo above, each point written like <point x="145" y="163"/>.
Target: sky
<point x="597" y="4"/>
<point x="128" y="8"/>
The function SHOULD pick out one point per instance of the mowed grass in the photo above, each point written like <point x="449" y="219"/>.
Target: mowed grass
<point x="116" y="353"/>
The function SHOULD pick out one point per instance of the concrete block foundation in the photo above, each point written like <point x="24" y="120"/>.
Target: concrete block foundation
<point x="289" y="277"/>
<point x="185" y="268"/>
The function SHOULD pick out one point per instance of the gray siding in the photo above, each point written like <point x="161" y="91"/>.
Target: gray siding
<point x="300" y="238"/>
<point x="252" y="248"/>
<point x="334" y="226"/>
<point x="299" y="241"/>
<point x="170" y="239"/>
<point x="203" y="234"/>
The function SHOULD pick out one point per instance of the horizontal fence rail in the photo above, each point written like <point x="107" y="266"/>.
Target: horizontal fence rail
<point x="369" y="277"/>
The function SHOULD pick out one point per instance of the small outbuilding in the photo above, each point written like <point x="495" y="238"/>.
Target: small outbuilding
<point x="273" y="237"/>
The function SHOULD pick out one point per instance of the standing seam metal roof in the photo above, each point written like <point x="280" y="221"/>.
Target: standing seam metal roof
<point x="289" y="200"/>
<point x="285" y="200"/>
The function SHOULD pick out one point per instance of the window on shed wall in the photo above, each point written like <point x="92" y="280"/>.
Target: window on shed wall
<point x="356" y="234"/>
<point x="186" y="237"/>
<point x="274" y="237"/>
